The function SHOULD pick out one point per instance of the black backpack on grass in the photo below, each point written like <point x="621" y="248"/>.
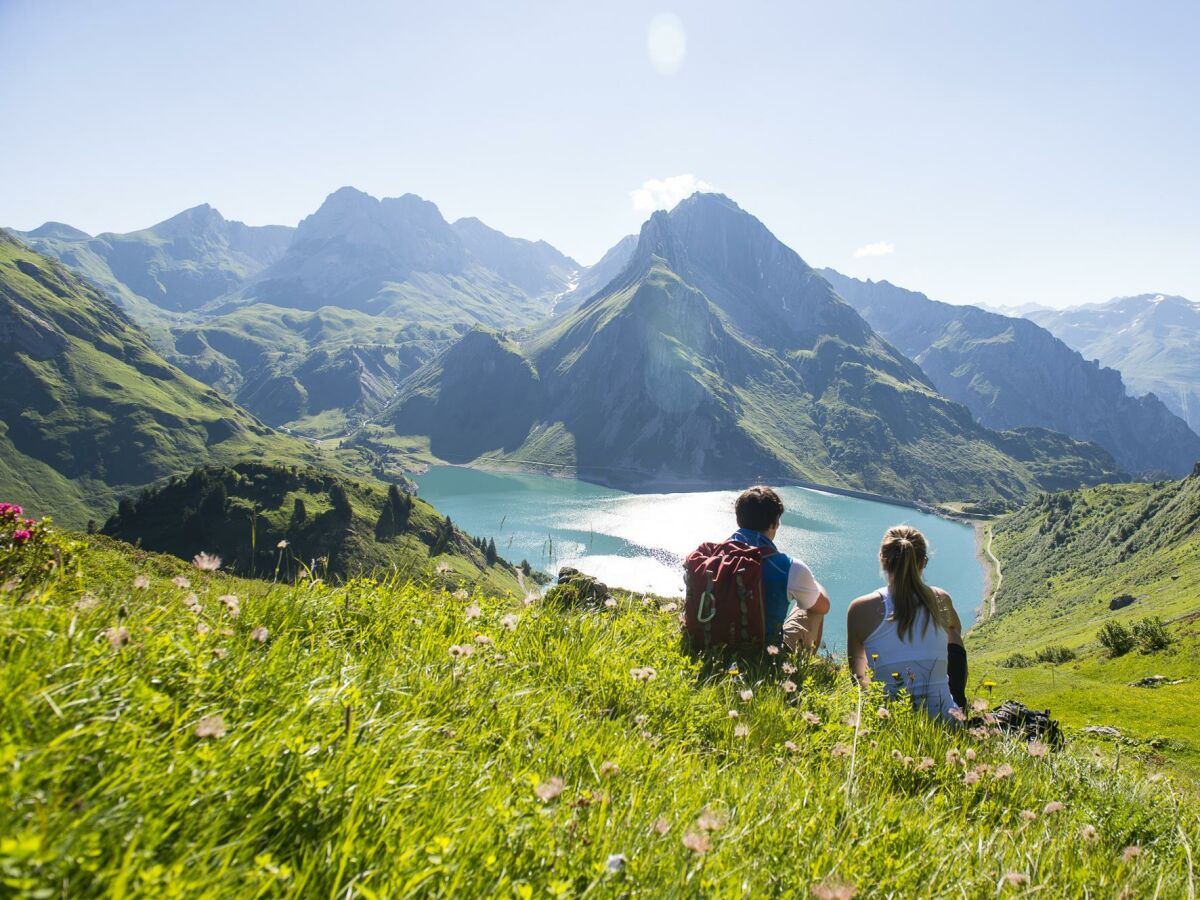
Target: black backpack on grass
<point x="1018" y="720"/>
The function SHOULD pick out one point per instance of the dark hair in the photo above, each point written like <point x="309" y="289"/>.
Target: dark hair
<point x="758" y="508"/>
<point x="903" y="553"/>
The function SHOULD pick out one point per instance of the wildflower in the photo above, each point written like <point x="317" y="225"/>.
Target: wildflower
<point x="180" y="582"/>
<point x="790" y="747"/>
<point x="712" y="820"/>
<point x="259" y="634"/>
<point x="1003" y="770"/>
<point x="979" y="705"/>
<point x="192" y="602"/>
<point x="1028" y="815"/>
<point x="772" y="650"/>
<point x="483" y="639"/>
<point x="733" y="714"/>
<point x="1052" y="807"/>
<point x="608" y="768"/>
<point x="1130" y="853"/>
<point x="833" y="890"/>
<point x="1015" y="879"/>
<point x="661" y="825"/>
<point x="971" y="778"/>
<point x="789" y="686"/>
<point x="698" y="842"/>
<point x="970" y="754"/>
<point x="1089" y="834"/>
<point x="21" y="535"/>
<point x="908" y="761"/>
<point x="852" y="720"/>
<point x="615" y="863"/>
<point x="897" y="755"/>
<point x="118" y="637"/>
<point x="732" y="671"/>
<point x="810" y="717"/>
<point x="141" y="582"/>
<point x="610" y="603"/>
<point x="509" y="622"/>
<point x="641" y="719"/>
<point x="925" y="764"/>
<point x="989" y="684"/>
<point x="210" y="727"/>
<point x="282" y="545"/>
<point x="747" y="695"/>
<point x="549" y="789"/>
<point x="669" y="607"/>
<point x="883" y="712"/>
<point x="202" y="629"/>
<point x="86" y="602"/>
<point x="230" y="602"/>
<point x="1037" y="749"/>
<point x="206" y="562"/>
<point x="219" y="652"/>
<point x="957" y="714"/>
<point x="472" y="612"/>
<point x="788" y="668"/>
<point x="874" y="745"/>
<point x="989" y="719"/>
<point x="952" y="757"/>
<point x="741" y="730"/>
<point x="646" y="673"/>
<point x="459" y="650"/>
<point x="840" y="749"/>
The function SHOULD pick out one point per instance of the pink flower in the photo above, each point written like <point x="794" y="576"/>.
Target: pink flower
<point x="747" y="695"/>
<point x="810" y="717"/>
<point x="1130" y="853"/>
<point x="741" y="730"/>
<point x="549" y="789"/>
<point x="712" y="820"/>
<point x="790" y="747"/>
<point x="952" y="757"/>
<point x="979" y="705"/>
<point x="772" y="650"/>
<point x="925" y="764"/>
<point x="118" y="637"/>
<point x="21" y="536"/>
<point x="883" y="712"/>
<point x="259" y="634"/>
<point x="180" y="582"/>
<point x="460" y="650"/>
<point x="210" y="727"/>
<point x="1052" y="807"/>
<point x="840" y="749"/>
<point x="1089" y="834"/>
<point x="510" y="622"/>
<point x="206" y="562"/>
<point x="1015" y="879"/>
<point x="1037" y="749"/>
<point x="971" y="778"/>
<point x="787" y="669"/>
<point x="609" y="768"/>
<point x="698" y="842"/>
<point x="833" y="890"/>
<point x="141" y="582"/>
<point x="789" y="686"/>
<point x="472" y="612"/>
<point x="230" y="602"/>
<point x="661" y="825"/>
<point x="1028" y="815"/>
<point x="957" y="714"/>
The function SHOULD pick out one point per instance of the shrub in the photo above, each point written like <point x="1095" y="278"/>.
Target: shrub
<point x="1055" y="655"/>
<point x="1150" y="635"/>
<point x="1018" y="661"/>
<point x="1116" y="638"/>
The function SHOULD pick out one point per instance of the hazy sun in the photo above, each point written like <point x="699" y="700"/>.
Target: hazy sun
<point x="666" y="43"/>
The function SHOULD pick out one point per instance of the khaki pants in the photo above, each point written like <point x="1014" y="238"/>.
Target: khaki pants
<point x="802" y="631"/>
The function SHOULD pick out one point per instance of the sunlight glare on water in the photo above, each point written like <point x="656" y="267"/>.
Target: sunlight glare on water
<point x="638" y="541"/>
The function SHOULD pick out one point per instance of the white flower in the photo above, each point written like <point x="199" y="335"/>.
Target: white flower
<point x="259" y="634"/>
<point x="615" y="863"/>
<point x="772" y="650"/>
<point x="461" y="650"/>
<point x="789" y="686"/>
<point x="549" y="789"/>
<point x="472" y="612"/>
<point x="510" y="622"/>
<point x="118" y="637"/>
<point x="180" y="582"/>
<point x="609" y="769"/>
<point x="1037" y="749"/>
<point x="282" y="545"/>
<point x="747" y="695"/>
<point x="741" y="730"/>
<point x="206" y="562"/>
<point x="611" y="603"/>
<point x="141" y="582"/>
<point x="230" y="602"/>
<point x="210" y="727"/>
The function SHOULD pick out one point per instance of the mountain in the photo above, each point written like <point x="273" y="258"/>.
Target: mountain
<point x="271" y="521"/>
<point x="1108" y="557"/>
<point x="89" y="409"/>
<point x="718" y="354"/>
<point x="177" y="265"/>
<point x="1011" y="372"/>
<point x="595" y="278"/>
<point x="1151" y="338"/>
<point x="535" y="267"/>
<point x="398" y="257"/>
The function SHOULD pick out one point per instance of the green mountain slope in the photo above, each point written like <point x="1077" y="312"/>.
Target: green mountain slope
<point x="89" y="409"/>
<point x="176" y="265"/>
<point x="1064" y="559"/>
<point x="719" y="355"/>
<point x="384" y="740"/>
<point x="1150" y="338"/>
<point x="1010" y="372"/>
<point x="274" y="521"/>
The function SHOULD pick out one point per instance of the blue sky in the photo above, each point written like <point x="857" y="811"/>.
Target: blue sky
<point x="979" y="151"/>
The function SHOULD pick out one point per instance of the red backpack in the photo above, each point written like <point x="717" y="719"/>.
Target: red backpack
<point x="725" y="604"/>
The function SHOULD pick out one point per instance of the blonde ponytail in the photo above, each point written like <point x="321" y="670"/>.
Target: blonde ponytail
<point x="903" y="554"/>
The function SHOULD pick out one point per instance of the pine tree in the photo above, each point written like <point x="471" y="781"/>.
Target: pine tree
<point x="340" y="500"/>
<point x="492" y="555"/>
<point x="299" y="512"/>
<point x="386" y="526"/>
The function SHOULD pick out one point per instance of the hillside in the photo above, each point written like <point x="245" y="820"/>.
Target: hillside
<point x="1150" y="338"/>
<point x="276" y="522"/>
<point x="1010" y="372"/>
<point x="89" y="409"/>
<point x="1065" y="559"/>
<point x="177" y="265"/>
<point x="718" y="355"/>
<point x="392" y="739"/>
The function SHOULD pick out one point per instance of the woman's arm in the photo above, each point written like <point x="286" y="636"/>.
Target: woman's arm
<point x="858" y="617"/>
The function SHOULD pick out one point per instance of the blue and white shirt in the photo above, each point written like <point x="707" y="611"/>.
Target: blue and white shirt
<point x="785" y="581"/>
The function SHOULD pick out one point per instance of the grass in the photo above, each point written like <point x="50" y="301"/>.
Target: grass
<point x="1064" y="559"/>
<point x="359" y="751"/>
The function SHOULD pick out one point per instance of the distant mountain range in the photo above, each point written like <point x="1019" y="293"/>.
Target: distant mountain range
<point x="1011" y="372"/>
<point x="718" y="354"/>
<point x="1153" y="339"/>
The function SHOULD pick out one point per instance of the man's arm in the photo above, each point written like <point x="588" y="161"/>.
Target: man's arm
<point x="806" y="591"/>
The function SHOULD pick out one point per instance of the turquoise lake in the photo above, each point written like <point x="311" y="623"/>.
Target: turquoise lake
<point x="638" y="541"/>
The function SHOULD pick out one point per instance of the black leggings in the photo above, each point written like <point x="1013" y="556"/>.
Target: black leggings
<point x="956" y="668"/>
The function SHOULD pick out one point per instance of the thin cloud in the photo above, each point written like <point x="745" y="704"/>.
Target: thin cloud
<point x="664" y="193"/>
<point x="879" y="248"/>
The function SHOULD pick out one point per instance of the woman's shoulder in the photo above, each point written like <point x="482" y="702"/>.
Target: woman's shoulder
<point x="867" y="602"/>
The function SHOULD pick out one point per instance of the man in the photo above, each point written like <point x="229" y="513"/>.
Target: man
<point x="759" y="512"/>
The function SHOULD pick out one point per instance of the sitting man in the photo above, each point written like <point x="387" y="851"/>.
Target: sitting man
<point x="785" y="580"/>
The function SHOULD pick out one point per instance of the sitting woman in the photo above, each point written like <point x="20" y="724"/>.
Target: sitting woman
<point x="906" y="634"/>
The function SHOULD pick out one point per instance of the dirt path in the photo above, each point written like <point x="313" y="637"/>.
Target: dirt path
<point x="991" y="604"/>
<point x="530" y="596"/>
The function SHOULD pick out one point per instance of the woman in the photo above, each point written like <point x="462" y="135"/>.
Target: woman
<point x="904" y="633"/>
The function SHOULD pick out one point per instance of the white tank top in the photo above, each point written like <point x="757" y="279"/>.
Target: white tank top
<point x="917" y="665"/>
